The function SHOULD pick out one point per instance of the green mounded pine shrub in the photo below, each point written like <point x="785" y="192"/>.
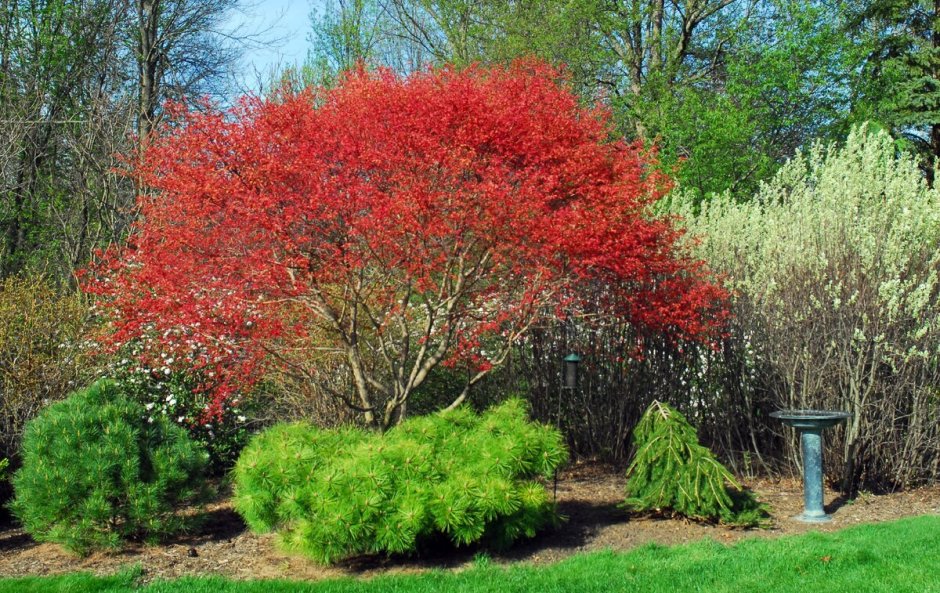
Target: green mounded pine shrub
<point x="97" y="470"/>
<point x="334" y="493"/>
<point x="673" y="473"/>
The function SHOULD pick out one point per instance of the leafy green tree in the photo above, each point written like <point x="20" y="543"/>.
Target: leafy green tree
<point x="900" y="83"/>
<point x="345" y="33"/>
<point x="779" y="86"/>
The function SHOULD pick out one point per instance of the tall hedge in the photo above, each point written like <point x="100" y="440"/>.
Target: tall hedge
<point x="836" y="264"/>
<point x="460" y="476"/>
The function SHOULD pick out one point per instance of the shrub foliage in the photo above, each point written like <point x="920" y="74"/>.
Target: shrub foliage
<point x="835" y="266"/>
<point x="41" y="358"/>
<point x="98" y="470"/>
<point x="672" y="472"/>
<point x="180" y="396"/>
<point x="335" y="493"/>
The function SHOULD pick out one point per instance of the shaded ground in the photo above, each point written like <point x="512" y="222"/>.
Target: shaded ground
<point x="588" y="495"/>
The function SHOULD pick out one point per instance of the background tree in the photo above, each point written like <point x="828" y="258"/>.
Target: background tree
<point x="182" y="48"/>
<point x="726" y="89"/>
<point x="55" y="62"/>
<point x="77" y="80"/>
<point x="779" y="83"/>
<point x="900" y="82"/>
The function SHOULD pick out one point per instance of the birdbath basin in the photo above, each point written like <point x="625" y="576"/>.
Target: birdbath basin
<point x="810" y="424"/>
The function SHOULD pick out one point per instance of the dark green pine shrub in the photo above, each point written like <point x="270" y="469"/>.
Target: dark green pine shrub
<point x="331" y="494"/>
<point x="672" y="473"/>
<point x="98" y="470"/>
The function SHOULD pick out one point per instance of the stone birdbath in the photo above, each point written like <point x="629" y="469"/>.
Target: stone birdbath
<point x="810" y="424"/>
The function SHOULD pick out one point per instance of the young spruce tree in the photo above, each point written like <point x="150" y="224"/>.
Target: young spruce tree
<point x="673" y="473"/>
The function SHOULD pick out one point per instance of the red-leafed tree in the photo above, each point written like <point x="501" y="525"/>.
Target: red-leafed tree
<point x="390" y="225"/>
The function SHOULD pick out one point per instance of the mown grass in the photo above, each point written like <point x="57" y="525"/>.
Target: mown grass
<point x="891" y="557"/>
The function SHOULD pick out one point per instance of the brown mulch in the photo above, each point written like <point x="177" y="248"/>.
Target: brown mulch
<point x="588" y="496"/>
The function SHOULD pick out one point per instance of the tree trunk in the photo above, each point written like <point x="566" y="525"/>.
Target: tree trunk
<point x="935" y="127"/>
<point x="148" y="58"/>
<point x="656" y="47"/>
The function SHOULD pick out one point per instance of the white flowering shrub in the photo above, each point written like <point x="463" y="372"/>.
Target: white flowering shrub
<point x="177" y="390"/>
<point x="834" y="265"/>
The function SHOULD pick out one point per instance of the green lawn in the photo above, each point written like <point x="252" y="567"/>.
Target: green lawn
<point x="890" y="557"/>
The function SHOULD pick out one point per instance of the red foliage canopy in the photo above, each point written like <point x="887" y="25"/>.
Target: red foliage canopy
<point x="397" y="223"/>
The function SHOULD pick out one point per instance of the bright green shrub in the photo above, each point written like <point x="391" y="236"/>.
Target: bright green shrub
<point x="835" y="264"/>
<point x="4" y="463"/>
<point x="97" y="469"/>
<point x="280" y="461"/>
<point x="335" y="493"/>
<point x="672" y="472"/>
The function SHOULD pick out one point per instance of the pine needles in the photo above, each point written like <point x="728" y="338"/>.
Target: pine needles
<point x="97" y="471"/>
<point x="672" y="473"/>
<point x="331" y="494"/>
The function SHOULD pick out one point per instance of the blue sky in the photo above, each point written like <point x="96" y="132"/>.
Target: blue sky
<point x="283" y="24"/>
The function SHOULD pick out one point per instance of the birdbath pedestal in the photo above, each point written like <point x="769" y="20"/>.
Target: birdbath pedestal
<point x="810" y="424"/>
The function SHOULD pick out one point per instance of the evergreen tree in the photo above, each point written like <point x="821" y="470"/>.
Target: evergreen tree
<point x="900" y="83"/>
<point x="98" y="470"/>
<point x="672" y="473"/>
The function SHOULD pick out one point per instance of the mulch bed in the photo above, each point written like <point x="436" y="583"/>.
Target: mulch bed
<point x="588" y="496"/>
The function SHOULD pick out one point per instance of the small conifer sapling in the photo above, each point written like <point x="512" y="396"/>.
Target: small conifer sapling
<point x="672" y="473"/>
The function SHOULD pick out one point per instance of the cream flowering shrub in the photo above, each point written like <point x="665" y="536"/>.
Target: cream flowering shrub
<point x="173" y="387"/>
<point x="834" y="264"/>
